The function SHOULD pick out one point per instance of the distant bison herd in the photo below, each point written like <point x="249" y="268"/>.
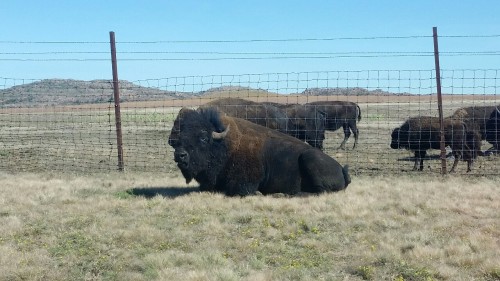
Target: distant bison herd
<point x="463" y="132"/>
<point x="241" y="147"/>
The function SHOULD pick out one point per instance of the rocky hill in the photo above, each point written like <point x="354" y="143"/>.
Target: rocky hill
<point x="51" y="92"/>
<point x="356" y="91"/>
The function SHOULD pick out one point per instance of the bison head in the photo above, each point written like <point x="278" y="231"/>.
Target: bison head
<point x="399" y="139"/>
<point x="493" y="128"/>
<point x="200" y="150"/>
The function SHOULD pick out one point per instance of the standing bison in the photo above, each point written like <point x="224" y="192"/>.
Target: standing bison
<point x="294" y="120"/>
<point x="422" y="133"/>
<point x="338" y="114"/>
<point x="475" y="117"/>
<point x="305" y="123"/>
<point x="492" y="130"/>
<point x="237" y="157"/>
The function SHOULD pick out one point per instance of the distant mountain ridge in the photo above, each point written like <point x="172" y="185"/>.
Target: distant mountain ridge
<point x="356" y="91"/>
<point x="53" y="92"/>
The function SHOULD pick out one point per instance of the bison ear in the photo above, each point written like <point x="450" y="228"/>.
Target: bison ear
<point x="220" y="136"/>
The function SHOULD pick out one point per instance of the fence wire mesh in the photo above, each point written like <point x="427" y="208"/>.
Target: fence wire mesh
<point x="69" y="125"/>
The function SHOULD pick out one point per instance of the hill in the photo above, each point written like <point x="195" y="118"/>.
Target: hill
<point x="51" y="92"/>
<point x="236" y="92"/>
<point x="356" y="91"/>
<point x="54" y="92"/>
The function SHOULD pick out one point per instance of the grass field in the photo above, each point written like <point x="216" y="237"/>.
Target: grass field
<point x="150" y="226"/>
<point x="82" y="138"/>
<point x="67" y="215"/>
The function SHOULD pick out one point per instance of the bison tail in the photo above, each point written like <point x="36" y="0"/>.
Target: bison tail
<point x="359" y="113"/>
<point x="347" y="177"/>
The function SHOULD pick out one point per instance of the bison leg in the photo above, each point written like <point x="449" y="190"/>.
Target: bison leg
<point x="470" y="163"/>
<point x="455" y="162"/>
<point x="356" y="135"/>
<point x="419" y="159"/>
<point x="241" y="189"/>
<point x="347" y="134"/>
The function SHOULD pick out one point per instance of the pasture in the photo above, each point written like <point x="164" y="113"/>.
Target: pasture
<point x="150" y="226"/>
<point x="82" y="138"/>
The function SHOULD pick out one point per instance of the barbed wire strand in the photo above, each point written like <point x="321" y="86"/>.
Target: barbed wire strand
<point x="252" y="40"/>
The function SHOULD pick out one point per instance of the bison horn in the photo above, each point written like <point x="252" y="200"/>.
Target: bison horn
<point x="219" y="136"/>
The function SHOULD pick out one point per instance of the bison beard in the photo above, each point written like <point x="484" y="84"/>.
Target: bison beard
<point x="237" y="157"/>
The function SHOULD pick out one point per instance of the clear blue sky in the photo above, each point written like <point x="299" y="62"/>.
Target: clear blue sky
<point x="189" y="20"/>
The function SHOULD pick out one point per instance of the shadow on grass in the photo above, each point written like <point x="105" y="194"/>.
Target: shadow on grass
<point x="173" y="192"/>
<point x="427" y="157"/>
<point x="169" y="192"/>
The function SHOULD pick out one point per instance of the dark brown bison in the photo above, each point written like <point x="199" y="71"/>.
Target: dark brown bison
<point x="493" y="129"/>
<point x="294" y="120"/>
<point x="305" y="123"/>
<point x="422" y="133"/>
<point x="266" y="115"/>
<point x="338" y="114"/>
<point x="237" y="157"/>
<point x="475" y="117"/>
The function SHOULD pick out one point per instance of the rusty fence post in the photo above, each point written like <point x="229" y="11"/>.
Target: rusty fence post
<point x="116" y="95"/>
<point x="440" y="102"/>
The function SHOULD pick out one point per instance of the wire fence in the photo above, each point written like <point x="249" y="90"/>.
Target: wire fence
<point x="69" y="125"/>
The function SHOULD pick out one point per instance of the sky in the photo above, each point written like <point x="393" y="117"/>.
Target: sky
<point x="164" y="39"/>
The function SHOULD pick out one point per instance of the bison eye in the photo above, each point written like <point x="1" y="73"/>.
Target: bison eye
<point x="204" y="139"/>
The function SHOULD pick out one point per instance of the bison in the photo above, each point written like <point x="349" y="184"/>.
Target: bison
<point x="475" y="117"/>
<point x="492" y="129"/>
<point x="294" y="120"/>
<point x="422" y="133"/>
<point x="237" y="157"/>
<point x="263" y="114"/>
<point x="338" y="114"/>
<point x="305" y="123"/>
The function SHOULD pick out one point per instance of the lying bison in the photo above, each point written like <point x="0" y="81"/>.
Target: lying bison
<point x="294" y="120"/>
<point x="492" y="130"/>
<point x="237" y="157"/>
<point x="338" y="114"/>
<point x="422" y="133"/>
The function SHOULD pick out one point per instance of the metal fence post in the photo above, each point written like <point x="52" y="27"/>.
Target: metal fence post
<point x="116" y="94"/>
<point x="440" y="102"/>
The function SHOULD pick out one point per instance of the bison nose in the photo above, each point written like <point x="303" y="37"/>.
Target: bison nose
<point x="181" y="156"/>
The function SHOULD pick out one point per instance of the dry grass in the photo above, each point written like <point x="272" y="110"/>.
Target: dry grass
<point x="149" y="227"/>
